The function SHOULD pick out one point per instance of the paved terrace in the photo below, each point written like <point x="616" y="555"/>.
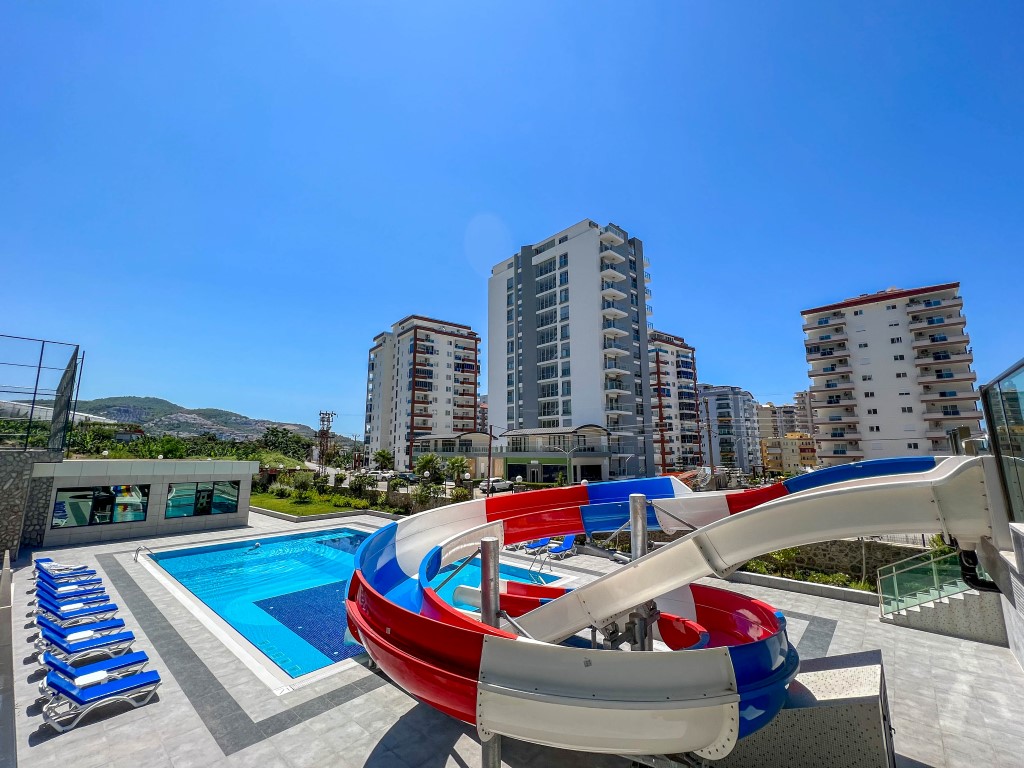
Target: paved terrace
<point x="953" y="702"/>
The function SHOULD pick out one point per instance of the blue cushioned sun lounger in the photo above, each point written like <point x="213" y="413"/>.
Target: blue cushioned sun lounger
<point x="535" y="546"/>
<point x="74" y="579"/>
<point x="47" y="564"/>
<point x="71" y="648"/>
<point x="120" y="666"/>
<point x="70" y="597"/>
<point x="566" y="548"/>
<point x="76" y="613"/>
<point x="45" y="575"/>
<point x="71" y="703"/>
<point x="60" y="601"/>
<point x="70" y="588"/>
<point x="97" y="627"/>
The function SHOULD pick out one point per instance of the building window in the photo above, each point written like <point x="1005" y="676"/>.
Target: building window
<point x="510" y="331"/>
<point x="896" y="340"/>
<point x="563" y="295"/>
<point x="195" y="499"/>
<point x="894" y="325"/>
<point x="866" y="377"/>
<point x="904" y="394"/>
<point x="897" y="358"/>
<point x="890" y="306"/>
<point x="561" y="240"/>
<point x="907" y="409"/>
<point x="911" y="445"/>
<point x="567" y="407"/>
<point x="566" y="388"/>
<point x="564" y="334"/>
<point x="872" y="411"/>
<point x="510" y="347"/>
<point x="858" y="312"/>
<point x="874" y="428"/>
<point x="869" y="394"/>
<point x="563" y="278"/>
<point x="862" y="345"/>
<point x="565" y="369"/>
<point x="563" y="261"/>
<point x="563" y="314"/>
<point x="99" y="505"/>
<point x="901" y="375"/>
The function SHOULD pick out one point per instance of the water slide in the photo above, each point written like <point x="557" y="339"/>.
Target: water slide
<point x="724" y="661"/>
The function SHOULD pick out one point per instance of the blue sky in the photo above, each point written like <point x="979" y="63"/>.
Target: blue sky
<point x="224" y="202"/>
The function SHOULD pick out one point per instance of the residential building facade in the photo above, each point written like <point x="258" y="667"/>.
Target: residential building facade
<point x="422" y="378"/>
<point x="730" y="438"/>
<point x="890" y="374"/>
<point x="776" y="420"/>
<point x="674" y="403"/>
<point x="804" y="412"/>
<point x="789" y="454"/>
<point x="481" y="413"/>
<point x="567" y="340"/>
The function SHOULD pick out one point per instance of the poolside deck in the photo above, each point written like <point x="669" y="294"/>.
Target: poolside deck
<point x="953" y="702"/>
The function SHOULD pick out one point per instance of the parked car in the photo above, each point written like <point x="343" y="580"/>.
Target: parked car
<point x="410" y="477"/>
<point x="496" y="484"/>
<point x="381" y="474"/>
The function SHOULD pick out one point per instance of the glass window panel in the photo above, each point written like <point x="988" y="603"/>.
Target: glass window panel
<point x="204" y="499"/>
<point x="99" y="505"/>
<point x="181" y="499"/>
<point x="225" y="497"/>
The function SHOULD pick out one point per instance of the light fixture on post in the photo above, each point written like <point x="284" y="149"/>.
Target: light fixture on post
<point x="519" y="479"/>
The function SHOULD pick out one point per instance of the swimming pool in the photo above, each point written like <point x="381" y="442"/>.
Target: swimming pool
<point x="286" y="594"/>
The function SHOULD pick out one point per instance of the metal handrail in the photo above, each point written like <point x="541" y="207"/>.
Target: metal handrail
<point x="930" y="556"/>
<point x="462" y="565"/>
<point x="143" y="547"/>
<point x="911" y="567"/>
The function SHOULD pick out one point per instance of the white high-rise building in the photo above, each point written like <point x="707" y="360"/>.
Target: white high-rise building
<point x="730" y="437"/>
<point x="804" y="412"/>
<point x="567" y="325"/>
<point x="777" y="420"/>
<point x="890" y="374"/>
<point x="674" y="403"/>
<point x="421" y="380"/>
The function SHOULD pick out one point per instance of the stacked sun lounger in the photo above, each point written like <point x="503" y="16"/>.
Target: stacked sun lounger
<point x="85" y="651"/>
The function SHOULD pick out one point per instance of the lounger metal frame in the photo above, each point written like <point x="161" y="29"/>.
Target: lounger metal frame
<point x="59" y="707"/>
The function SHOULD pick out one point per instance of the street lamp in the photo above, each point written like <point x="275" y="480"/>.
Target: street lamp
<point x="519" y="479"/>
<point x="568" y="460"/>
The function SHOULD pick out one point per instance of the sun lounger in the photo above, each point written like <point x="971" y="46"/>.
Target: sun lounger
<point x="70" y="597"/>
<point x="61" y="603"/>
<point x="82" y="577"/>
<point x="58" y="590"/>
<point x="566" y="548"/>
<point x="62" y="576"/>
<point x="47" y="564"/>
<point x="75" y="647"/>
<point x="70" y="703"/>
<point x="536" y="547"/>
<point x="104" y="627"/>
<point x="76" y="613"/>
<point x="119" y="666"/>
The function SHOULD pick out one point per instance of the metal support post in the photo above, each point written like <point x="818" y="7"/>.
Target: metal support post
<point x="646" y="614"/>
<point x="490" y="606"/>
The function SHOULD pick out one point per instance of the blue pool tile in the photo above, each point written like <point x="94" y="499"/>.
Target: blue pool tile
<point x="318" y="616"/>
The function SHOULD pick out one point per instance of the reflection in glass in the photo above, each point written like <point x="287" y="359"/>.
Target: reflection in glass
<point x="100" y="504"/>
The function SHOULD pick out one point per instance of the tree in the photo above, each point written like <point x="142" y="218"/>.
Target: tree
<point x="384" y="459"/>
<point x="287" y="442"/>
<point x="457" y="466"/>
<point x="429" y="462"/>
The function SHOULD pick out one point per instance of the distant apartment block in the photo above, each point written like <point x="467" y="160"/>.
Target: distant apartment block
<point x="890" y="374"/>
<point x="674" y="403"/>
<point x="422" y="378"/>
<point x="777" y="420"/>
<point x="789" y="454"/>
<point x="731" y="438"/>
<point x="804" y="412"/>
<point x="567" y="340"/>
<point x="481" y="413"/>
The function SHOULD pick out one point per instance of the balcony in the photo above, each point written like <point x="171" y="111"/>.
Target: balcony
<point x="618" y="408"/>
<point x="612" y="235"/>
<point x="930" y="360"/>
<point x="849" y="454"/>
<point x="832" y="370"/>
<point x="614" y="368"/>
<point x="612" y="275"/>
<point x="935" y="380"/>
<point x="835" y="402"/>
<point x="918" y="307"/>
<point x="942" y="341"/>
<point x="946" y="322"/>
<point x="612" y="385"/>
<point x="813" y="356"/>
<point x="835" y="386"/>
<point x="611" y="257"/>
<point x="840" y="419"/>
<point x="647" y="276"/>
<point x="959" y="416"/>
<point x="937" y="397"/>
<point x="824" y="323"/>
<point x="614" y="350"/>
<point x="612" y="313"/>
<point x="612" y="331"/>
<point x="832" y="436"/>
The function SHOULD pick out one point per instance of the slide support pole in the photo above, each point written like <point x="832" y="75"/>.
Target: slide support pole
<point x="490" y="606"/>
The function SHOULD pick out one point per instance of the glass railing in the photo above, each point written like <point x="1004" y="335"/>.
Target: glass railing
<point x="920" y="579"/>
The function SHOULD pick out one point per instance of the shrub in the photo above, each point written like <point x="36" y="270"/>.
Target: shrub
<point x="281" y="491"/>
<point x="423" y="494"/>
<point x="360" y="484"/>
<point x="321" y="483"/>
<point x="302" y="481"/>
<point x="396" y="482"/>
<point x="303" y="497"/>
<point x="339" y="478"/>
<point x="460" y="494"/>
<point x="260" y="483"/>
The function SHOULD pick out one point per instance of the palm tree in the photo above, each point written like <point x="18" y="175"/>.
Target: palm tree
<point x="429" y="462"/>
<point x="457" y="466"/>
<point x="384" y="459"/>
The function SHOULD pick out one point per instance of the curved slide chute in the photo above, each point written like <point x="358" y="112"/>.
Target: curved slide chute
<point x="730" y="663"/>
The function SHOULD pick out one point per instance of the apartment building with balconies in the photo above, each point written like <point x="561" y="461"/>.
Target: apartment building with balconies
<point x="777" y="420"/>
<point x="788" y="454"/>
<point x="890" y="374"/>
<point x="731" y="437"/>
<point x="674" y="403"/>
<point x="804" y="412"/>
<point x="422" y="378"/>
<point x="567" y="340"/>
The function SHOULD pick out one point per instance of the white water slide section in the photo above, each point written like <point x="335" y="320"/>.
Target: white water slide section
<point x="949" y="499"/>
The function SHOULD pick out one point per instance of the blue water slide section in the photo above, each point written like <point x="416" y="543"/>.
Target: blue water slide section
<point x="610" y="516"/>
<point x="763" y="670"/>
<point x="619" y="490"/>
<point x="860" y="470"/>
<point x="377" y="559"/>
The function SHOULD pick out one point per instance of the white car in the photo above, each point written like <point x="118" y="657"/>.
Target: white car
<point x="496" y="484"/>
<point x="379" y="474"/>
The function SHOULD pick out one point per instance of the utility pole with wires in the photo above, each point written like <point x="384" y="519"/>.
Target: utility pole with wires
<point x="324" y="440"/>
<point x="711" y="448"/>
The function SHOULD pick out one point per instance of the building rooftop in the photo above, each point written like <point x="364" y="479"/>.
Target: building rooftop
<point x="887" y="294"/>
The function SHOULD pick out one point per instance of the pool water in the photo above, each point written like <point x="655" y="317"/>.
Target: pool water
<point x="470" y="576"/>
<point x="286" y="594"/>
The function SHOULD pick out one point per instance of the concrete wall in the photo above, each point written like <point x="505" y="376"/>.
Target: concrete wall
<point x="850" y="555"/>
<point x="157" y="474"/>
<point x="15" y="480"/>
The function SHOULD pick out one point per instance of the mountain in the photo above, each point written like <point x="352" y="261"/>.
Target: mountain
<point x="157" y="416"/>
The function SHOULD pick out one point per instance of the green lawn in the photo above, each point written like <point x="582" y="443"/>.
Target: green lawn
<point x="290" y="507"/>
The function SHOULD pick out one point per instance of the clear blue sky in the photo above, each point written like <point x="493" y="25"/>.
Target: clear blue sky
<point x="224" y="202"/>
